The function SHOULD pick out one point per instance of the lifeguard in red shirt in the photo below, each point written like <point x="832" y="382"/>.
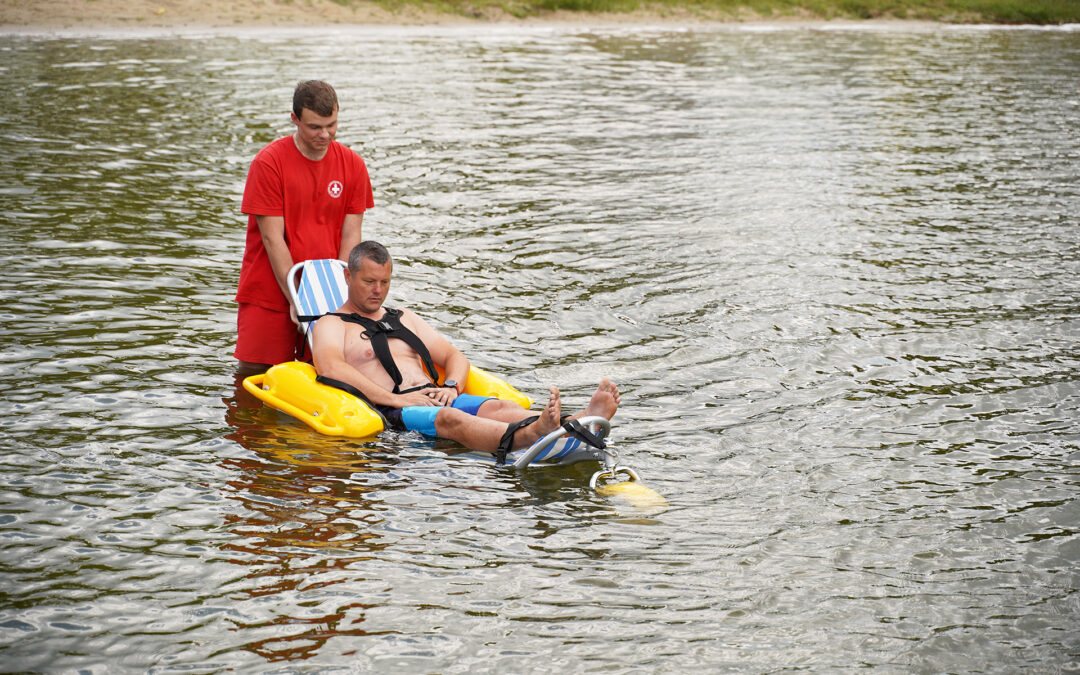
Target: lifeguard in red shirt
<point x="305" y="198"/>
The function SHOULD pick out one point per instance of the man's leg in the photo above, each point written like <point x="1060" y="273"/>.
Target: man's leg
<point x="264" y="337"/>
<point x="604" y="402"/>
<point x="247" y="368"/>
<point x="483" y="433"/>
<point x="501" y="410"/>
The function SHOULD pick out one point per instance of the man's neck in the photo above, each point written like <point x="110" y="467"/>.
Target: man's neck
<point x="350" y="308"/>
<point x="316" y="157"/>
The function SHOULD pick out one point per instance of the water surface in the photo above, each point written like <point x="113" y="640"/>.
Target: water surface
<point x="833" y="271"/>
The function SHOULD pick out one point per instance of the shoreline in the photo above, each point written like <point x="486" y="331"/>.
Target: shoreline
<point x="593" y="23"/>
<point x="66" y="17"/>
<point x="195" y="15"/>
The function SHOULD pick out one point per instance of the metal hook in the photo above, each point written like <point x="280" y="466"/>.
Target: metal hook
<point x="612" y="472"/>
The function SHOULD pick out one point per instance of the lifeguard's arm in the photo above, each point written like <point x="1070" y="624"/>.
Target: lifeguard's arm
<point x="272" y="231"/>
<point x="328" y="353"/>
<point x="445" y="355"/>
<point x="351" y="230"/>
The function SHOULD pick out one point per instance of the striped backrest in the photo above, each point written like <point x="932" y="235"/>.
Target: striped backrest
<point x="321" y="289"/>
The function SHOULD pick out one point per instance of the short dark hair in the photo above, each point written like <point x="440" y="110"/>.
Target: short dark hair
<point x="372" y="250"/>
<point x="315" y="95"/>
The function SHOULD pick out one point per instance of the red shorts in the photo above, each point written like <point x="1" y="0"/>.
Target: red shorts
<point x="266" y="335"/>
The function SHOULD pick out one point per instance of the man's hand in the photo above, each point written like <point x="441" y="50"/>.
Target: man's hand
<point x="417" y="398"/>
<point x="442" y="395"/>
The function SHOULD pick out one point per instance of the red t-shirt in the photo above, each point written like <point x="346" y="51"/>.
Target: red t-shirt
<point x="314" y="198"/>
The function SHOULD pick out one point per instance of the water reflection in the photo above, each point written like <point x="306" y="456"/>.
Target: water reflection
<point x="304" y="524"/>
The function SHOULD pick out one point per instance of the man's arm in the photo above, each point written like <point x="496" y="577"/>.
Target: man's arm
<point x="443" y="353"/>
<point x="272" y="231"/>
<point x="350" y="234"/>
<point x="328" y="353"/>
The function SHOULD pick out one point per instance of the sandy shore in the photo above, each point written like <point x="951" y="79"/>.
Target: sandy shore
<point x="183" y="13"/>
<point x="62" y="15"/>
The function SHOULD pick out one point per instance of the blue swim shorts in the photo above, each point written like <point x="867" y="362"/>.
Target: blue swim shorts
<point x="422" y="417"/>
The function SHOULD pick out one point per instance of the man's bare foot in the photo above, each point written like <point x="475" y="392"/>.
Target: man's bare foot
<point x="604" y="402"/>
<point x="549" y="420"/>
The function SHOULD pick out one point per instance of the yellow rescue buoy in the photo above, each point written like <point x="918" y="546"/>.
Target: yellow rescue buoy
<point x="634" y="493"/>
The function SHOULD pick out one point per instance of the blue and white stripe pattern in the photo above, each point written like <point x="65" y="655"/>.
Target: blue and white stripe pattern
<point x="562" y="446"/>
<point x="557" y="449"/>
<point x="322" y="288"/>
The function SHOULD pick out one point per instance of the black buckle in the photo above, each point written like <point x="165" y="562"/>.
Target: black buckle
<point x="576" y="429"/>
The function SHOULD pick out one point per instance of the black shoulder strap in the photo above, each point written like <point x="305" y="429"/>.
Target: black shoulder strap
<point x="302" y="336"/>
<point x="380" y="331"/>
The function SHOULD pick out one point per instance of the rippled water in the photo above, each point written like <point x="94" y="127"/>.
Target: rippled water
<point x="834" y="272"/>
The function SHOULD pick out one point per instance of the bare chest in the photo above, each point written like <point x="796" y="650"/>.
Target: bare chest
<point x="360" y="354"/>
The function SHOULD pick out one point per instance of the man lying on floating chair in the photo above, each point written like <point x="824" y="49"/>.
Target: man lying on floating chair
<point x="389" y="357"/>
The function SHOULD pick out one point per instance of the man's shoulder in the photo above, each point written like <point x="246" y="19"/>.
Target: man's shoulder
<point x="273" y="157"/>
<point x="345" y="153"/>
<point x="276" y="148"/>
<point x="264" y="181"/>
<point x="336" y="316"/>
<point x="327" y="327"/>
<point x="341" y="316"/>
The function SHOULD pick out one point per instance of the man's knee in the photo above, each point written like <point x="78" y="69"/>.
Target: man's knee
<point x="449" y="421"/>
<point x="494" y="406"/>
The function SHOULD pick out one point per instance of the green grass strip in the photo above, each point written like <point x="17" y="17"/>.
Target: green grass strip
<point x="948" y="11"/>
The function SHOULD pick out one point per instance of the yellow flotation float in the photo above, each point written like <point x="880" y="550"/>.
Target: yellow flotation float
<point x="291" y="387"/>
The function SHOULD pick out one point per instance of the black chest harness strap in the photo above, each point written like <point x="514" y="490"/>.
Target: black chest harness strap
<point x="380" y="331"/>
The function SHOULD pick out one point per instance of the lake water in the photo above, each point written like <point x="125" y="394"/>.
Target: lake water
<point x="834" y="271"/>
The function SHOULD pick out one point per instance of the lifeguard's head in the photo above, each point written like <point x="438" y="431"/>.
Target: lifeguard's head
<point x="315" y="95"/>
<point x="315" y="113"/>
